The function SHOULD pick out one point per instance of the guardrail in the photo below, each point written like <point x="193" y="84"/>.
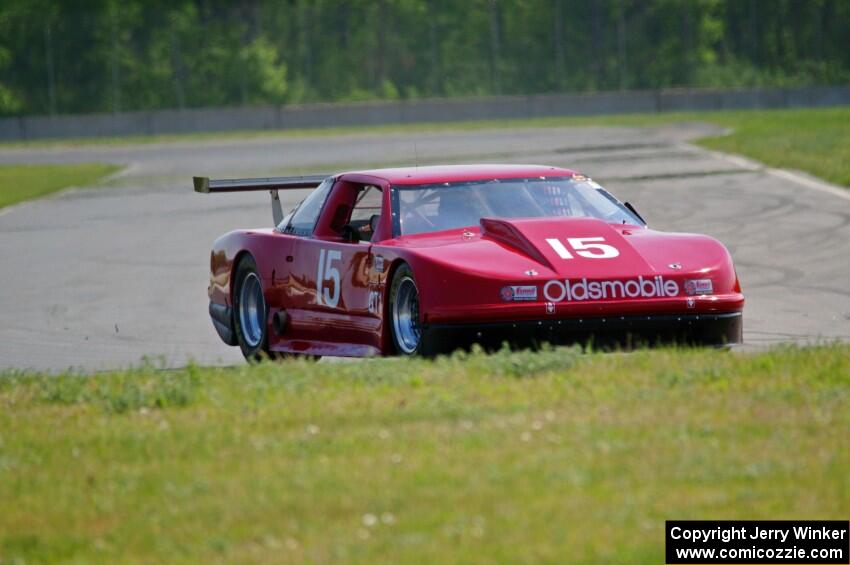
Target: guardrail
<point x="401" y="112"/>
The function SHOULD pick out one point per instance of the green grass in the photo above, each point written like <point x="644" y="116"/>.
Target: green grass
<point x="25" y="182"/>
<point x="522" y="457"/>
<point x="815" y="141"/>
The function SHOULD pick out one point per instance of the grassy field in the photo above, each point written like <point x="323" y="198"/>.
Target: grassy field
<point x="25" y="182"/>
<point x="815" y="141"/>
<point x="521" y="457"/>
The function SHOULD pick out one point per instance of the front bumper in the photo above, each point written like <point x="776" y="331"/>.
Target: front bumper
<point x="495" y="312"/>
<point x="717" y="329"/>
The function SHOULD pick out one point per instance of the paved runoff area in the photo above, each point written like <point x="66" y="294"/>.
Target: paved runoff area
<point x="100" y="277"/>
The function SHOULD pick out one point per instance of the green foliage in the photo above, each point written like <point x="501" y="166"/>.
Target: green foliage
<point x="557" y="456"/>
<point x="9" y="102"/>
<point x="110" y="55"/>
<point x="261" y="64"/>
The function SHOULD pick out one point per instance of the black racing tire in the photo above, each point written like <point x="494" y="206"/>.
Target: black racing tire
<point x="409" y="337"/>
<point x="250" y="312"/>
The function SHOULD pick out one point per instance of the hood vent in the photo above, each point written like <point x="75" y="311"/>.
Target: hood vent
<point x="506" y="233"/>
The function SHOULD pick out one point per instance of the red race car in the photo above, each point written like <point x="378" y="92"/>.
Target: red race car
<point x="423" y="260"/>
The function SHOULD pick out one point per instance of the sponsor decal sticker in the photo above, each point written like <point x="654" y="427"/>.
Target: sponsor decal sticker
<point x="519" y="293"/>
<point x="698" y="286"/>
<point x="691" y="302"/>
<point x="580" y="290"/>
<point x="379" y="264"/>
<point x="374" y="301"/>
<point x="550" y="307"/>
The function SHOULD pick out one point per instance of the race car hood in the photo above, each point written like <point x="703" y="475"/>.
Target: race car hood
<point x="565" y="245"/>
<point x="568" y="248"/>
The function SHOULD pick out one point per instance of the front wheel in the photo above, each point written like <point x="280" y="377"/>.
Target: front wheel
<point x="409" y="337"/>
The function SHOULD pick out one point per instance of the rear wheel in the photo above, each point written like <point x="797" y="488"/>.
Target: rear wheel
<point x="250" y="311"/>
<point x="409" y="337"/>
<point x="250" y="316"/>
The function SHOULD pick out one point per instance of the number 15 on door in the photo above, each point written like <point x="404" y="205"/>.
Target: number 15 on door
<point x="328" y="273"/>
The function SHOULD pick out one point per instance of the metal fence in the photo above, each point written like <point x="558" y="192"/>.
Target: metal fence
<point x="400" y="112"/>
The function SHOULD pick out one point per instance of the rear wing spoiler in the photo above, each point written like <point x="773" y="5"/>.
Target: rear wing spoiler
<point x="204" y="185"/>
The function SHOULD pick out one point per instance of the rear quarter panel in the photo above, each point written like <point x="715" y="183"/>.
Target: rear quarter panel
<point x="269" y="250"/>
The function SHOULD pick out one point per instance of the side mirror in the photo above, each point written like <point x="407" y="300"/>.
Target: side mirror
<point x="633" y="211"/>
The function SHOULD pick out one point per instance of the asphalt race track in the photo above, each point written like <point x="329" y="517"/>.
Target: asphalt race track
<point x="98" y="278"/>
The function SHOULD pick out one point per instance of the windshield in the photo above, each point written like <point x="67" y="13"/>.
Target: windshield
<point x="436" y="207"/>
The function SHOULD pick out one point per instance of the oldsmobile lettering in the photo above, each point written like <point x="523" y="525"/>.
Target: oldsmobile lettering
<point x="580" y="290"/>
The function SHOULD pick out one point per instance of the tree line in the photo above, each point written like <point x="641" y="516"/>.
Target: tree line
<point x="63" y="56"/>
